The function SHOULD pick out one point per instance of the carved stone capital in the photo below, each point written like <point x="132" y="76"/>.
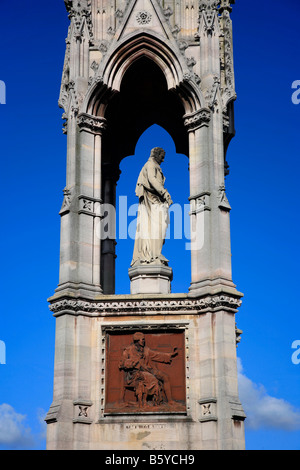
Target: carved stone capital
<point x="198" y="119"/>
<point x="210" y="92"/>
<point x="226" y="50"/>
<point x="92" y="124"/>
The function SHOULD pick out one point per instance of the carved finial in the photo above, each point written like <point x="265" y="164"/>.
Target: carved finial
<point x="207" y="12"/>
<point x="226" y="5"/>
<point x="78" y="10"/>
<point x="209" y="4"/>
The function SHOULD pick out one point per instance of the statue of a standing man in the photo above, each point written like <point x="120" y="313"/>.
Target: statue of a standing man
<point x="153" y="214"/>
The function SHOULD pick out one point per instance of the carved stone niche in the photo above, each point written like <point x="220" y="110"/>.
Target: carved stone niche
<point x="145" y="372"/>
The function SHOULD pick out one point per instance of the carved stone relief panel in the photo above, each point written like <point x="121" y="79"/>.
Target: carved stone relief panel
<point x="145" y="372"/>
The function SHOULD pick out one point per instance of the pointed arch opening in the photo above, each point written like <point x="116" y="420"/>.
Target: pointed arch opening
<point x="175" y="169"/>
<point x="170" y="61"/>
<point x="143" y="101"/>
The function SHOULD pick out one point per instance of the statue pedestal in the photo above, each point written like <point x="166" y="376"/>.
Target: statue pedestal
<point x="150" y="279"/>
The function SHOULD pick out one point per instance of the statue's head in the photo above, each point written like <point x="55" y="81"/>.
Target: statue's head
<point x="139" y="338"/>
<point x="158" y="154"/>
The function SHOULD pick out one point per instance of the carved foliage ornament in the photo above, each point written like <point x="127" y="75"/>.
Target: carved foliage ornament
<point x="143" y="17"/>
<point x="228" y="83"/>
<point x="132" y="307"/>
<point x="214" y="18"/>
<point x="215" y="4"/>
<point x="209" y="9"/>
<point x="226" y="5"/>
<point x="168" y="12"/>
<point x="209" y="4"/>
<point x="79" y="12"/>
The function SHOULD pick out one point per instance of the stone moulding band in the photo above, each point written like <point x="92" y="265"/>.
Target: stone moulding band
<point x="145" y="307"/>
<point x="150" y="327"/>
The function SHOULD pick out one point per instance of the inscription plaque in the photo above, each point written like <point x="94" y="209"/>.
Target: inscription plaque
<point x="145" y="372"/>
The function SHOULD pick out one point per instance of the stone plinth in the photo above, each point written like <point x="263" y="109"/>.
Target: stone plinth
<point x="150" y="279"/>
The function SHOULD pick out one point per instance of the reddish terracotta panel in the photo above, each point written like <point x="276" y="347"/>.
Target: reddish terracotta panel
<point x="145" y="372"/>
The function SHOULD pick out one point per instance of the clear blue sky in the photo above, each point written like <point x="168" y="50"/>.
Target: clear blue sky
<point x="262" y="189"/>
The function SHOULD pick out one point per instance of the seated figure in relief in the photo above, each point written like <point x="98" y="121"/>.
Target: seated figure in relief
<point x="142" y="375"/>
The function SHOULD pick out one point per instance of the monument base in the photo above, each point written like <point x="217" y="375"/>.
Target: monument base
<point x="150" y="279"/>
<point x="96" y="404"/>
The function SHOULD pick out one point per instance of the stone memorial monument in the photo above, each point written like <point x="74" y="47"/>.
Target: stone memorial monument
<point x="151" y="369"/>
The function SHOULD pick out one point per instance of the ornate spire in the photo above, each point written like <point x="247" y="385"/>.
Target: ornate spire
<point x="207" y="12"/>
<point x="208" y="4"/>
<point x="226" y="5"/>
<point x="215" y="4"/>
<point x="80" y="10"/>
<point x="227" y="68"/>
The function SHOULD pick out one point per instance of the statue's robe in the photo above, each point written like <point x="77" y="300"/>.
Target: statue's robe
<point x="153" y="218"/>
<point x="142" y="374"/>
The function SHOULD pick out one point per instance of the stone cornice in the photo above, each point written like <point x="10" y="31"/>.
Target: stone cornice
<point x="121" y="306"/>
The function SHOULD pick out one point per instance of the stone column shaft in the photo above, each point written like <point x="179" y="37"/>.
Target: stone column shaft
<point x="108" y="251"/>
<point x="81" y="211"/>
